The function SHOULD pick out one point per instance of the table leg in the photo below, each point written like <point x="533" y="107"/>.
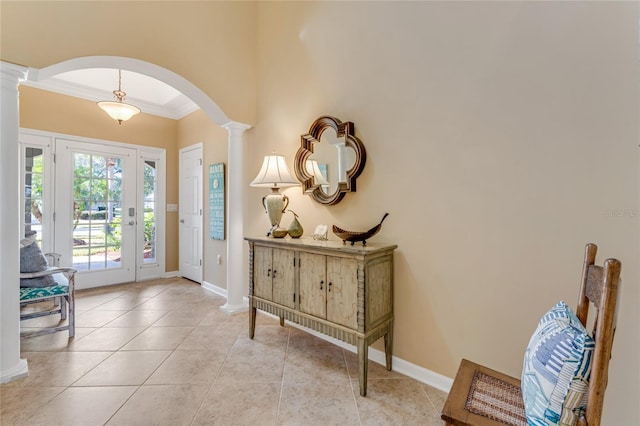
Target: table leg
<point x="363" y="360"/>
<point x="388" y="346"/>
<point x="252" y="321"/>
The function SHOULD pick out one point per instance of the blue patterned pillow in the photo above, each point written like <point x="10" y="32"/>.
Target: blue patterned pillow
<point x="557" y="365"/>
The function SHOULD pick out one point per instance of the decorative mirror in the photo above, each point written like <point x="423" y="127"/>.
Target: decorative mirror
<point x="329" y="160"/>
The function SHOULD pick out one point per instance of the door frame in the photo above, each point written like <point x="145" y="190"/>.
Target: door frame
<point x="142" y="271"/>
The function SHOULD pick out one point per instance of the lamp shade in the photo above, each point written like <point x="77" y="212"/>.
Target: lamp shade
<point x="119" y="111"/>
<point x="274" y="173"/>
<point x="314" y="170"/>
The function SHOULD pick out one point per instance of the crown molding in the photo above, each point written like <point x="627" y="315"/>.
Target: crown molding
<point x="175" y="110"/>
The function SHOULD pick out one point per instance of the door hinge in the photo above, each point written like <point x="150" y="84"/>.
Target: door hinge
<point x="200" y="262"/>
<point x="200" y="160"/>
<point x="200" y="212"/>
<point x="54" y="158"/>
<point x="294" y="298"/>
<point x="54" y="216"/>
<point x="294" y="264"/>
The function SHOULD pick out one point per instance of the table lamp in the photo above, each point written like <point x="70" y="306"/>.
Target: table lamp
<point x="275" y="175"/>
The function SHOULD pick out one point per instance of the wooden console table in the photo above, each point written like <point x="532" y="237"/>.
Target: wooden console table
<point x="340" y="290"/>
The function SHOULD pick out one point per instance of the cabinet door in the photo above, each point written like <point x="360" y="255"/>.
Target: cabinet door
<point x="283" y="274"/>
<point x="342" y="291"/>
<point x="313" y="285"/>
<point x="262" y="272"/>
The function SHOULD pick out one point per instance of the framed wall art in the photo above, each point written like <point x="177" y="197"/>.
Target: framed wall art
<point x="216" y="201"/>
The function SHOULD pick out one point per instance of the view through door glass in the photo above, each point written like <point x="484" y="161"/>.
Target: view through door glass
<point x="33" y="193"/>
<point x="97" y="211"/>
<point x="149" y="217"/>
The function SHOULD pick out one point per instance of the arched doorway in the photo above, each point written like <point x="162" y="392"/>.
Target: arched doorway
<point x="11" y="366"/>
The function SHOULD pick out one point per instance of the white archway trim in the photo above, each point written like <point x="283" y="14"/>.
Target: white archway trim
<point x="136" y="65"/>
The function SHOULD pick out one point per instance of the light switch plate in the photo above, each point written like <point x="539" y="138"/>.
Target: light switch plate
<point x="172" y="207"/>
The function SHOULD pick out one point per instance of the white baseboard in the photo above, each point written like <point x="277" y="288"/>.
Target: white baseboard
<point x="401" y="366"/>
<point x="172" y="274"/>
<point x="19" y="371"/>
<point x="421" y="374"/>
<point x="214" y="289"/>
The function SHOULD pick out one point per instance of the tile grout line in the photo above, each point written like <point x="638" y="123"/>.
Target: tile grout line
<point x="353" y="393"/>
<point x="284" y="364"/>
<point x="206" y="395"/>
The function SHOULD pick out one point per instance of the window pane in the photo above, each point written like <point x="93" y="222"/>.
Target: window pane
<point x="98" y="166"/>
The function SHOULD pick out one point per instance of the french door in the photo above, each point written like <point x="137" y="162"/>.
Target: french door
<point x="95" y="206"/>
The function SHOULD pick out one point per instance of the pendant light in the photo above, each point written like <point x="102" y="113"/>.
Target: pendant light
<point x="118" y="109"/>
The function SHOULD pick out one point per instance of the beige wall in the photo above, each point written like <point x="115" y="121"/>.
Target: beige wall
<point x="52" y="112"/>
<point x="500" y="138"/>
<point x="194" y="128"/>
<point x="211" y="44"/>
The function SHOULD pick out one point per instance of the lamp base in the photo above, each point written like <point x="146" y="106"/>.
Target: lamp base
<point x="275" y="205"/>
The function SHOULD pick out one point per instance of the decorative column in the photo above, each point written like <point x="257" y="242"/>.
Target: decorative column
<point x="11" y="366"/>
<point x="235" y="219"/>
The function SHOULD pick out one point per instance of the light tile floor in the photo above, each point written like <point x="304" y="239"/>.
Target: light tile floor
<point x="162" y="353"/>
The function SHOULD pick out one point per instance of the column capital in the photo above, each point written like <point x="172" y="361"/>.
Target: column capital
<point x="235" y="127"/>
<point x="12" y="74"/>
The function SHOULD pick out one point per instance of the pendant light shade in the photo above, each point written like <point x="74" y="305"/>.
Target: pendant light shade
<point x="118" y="109"/>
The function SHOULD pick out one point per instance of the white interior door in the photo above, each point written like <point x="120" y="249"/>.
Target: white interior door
<point x="190" y="212"/>
<point x="95" y="223"/>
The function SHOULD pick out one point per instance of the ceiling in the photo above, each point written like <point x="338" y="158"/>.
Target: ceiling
<point x="97" y="84"/>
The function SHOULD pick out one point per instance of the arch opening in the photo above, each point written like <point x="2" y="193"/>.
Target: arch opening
<point x="142" y="67"/>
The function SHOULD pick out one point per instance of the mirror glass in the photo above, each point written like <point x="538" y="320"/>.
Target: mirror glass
<point x="329" y="160"/>
<point x="332" y="160"/>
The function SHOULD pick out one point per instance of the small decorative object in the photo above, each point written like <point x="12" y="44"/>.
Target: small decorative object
<point x="295" y="228"/>
<point x="279" y="233"/>
<point x="321" y="232"/>
<point x="358" y="236"/>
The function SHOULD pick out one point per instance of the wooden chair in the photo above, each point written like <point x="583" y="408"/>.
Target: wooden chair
<point x="474" y="384"/>
<point x="61" y="294"/>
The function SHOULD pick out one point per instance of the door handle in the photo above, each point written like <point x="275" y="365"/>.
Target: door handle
<point x="181" y="220"/>
<point x="131" y="223"/>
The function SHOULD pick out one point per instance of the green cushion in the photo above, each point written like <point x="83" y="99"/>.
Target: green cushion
<point x="32" y="293"/>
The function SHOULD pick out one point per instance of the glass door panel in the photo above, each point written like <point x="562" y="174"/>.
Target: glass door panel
<point x="97" y="221"/>
<point x="149" y="217"/>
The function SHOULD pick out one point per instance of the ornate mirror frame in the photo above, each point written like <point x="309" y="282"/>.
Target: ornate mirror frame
<point x="346" y="130"/>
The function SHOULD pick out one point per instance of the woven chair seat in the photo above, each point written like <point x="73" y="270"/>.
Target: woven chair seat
<point x="496" y="399"/>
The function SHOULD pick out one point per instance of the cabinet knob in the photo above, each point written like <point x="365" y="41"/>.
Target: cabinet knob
<point x="330" y="284"/>
<point x="269" y="272"/>
<point x="274" y="273"/>
<point x="321" y="284"/>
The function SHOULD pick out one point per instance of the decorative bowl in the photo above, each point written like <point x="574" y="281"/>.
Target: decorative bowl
<point x="353" y="236"/>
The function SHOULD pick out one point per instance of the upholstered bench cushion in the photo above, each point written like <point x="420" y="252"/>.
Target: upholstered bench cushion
<point x="34" y="293"/>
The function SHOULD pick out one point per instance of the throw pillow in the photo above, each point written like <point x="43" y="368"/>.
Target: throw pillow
<point x="32" y="260"/>
<point x="557" y="365"/>
<point x="31" y="257"/>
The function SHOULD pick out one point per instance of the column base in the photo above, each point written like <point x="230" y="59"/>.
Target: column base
<point x="20" y="371"/>
<point x="233" y="309"/>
